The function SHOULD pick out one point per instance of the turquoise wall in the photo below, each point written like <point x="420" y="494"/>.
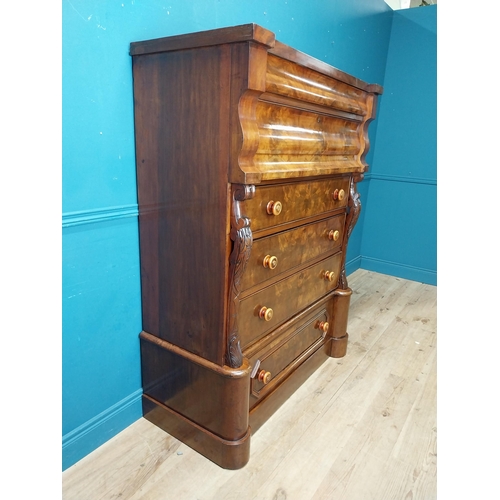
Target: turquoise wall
<point x="399" y="229"/>
<point x="101" y="282"/>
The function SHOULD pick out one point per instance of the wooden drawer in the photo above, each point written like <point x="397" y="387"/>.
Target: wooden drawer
<point x="298" y="201"/>
<point x="296" y="135"/>
<point x="292" y="80"/>
<point x="286" y="298"/>
<point x="276" y="254"/>
<point x="282" y="355"/>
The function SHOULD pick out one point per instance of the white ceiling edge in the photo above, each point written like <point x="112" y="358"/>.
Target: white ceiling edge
<point x="406" y="4"/>
<point x="396" y="4"/>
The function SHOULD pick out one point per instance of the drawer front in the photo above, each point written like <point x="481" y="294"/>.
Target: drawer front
<point x="281" y="252"/>
<point x="274" y="359"/>
<point x="285" y="298"/>
<point x="275" y="205"/>
<point x="272" y="364"/>
<point x="296" y="135"/>
<point x="292" y="80"/>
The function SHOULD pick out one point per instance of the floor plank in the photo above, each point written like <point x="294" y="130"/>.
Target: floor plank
<point x="361" y="427"/>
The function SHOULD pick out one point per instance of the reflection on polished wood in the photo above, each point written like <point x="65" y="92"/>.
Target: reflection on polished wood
<point x="286" y="78"/>
<point x="283" y="142"/>
<point x="361" y="427"/>
<point x="286" y="297"/>
<point x="247" y="156"/>
<point x="291" y="249"/>
<point x="284" y="137"/>
<point x="298" y="201"/>
<point x="288" y="132"/>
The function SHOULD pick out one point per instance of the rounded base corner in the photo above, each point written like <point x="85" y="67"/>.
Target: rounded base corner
<point x="338" y="347"/>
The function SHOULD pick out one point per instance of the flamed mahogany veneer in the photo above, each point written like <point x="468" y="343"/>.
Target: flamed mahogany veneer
<point x="248" y="153"/>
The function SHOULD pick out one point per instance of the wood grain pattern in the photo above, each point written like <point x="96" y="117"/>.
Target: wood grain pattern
<point x="288" y="134"/>
<point x="285" y="142"/>
<point x="338" y="322"/>
<point x="247" y="82"/>
<point x="183" y="393"/>
<point x="295" y="322"/>
<point x="282" y="138"/>
<point x="280" y="354"/>
<point x="290" y="79"/>
<point x="241" y="234"/>
<point x="363" y="427"/>
<point x="237" y="144"/>
<point x="354" y="204"/>
<point x="292" y="248"/>
<point x="192" y="203"/>
<point x="286" y="52"/>
<point x="299" y="200"/>
<point x="286" y="298"/>
<point x="229" y="454"/>
<point x="299" y="370"/>
<point x="244" y="33"/>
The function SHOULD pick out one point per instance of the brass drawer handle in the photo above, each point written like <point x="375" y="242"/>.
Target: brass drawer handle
<point x="329" y="275"/>
<point x="274" y="207"/>
<point x="323" y="326"/>
<point x="264" y="377"/>
<point x="334" y="235"/>
<point x="270" y="261"/>
<point x="266" y="313"/>
<point x="339" y="194"/>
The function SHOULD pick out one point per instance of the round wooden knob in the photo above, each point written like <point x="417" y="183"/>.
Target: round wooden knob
<point x="266" y="313"/>
<point x="274" y="207"/>
<point x="329" y="275"/>
<point x="323" y="326"/>
<point x="270" y="261"/>
<point x="334" y="235"/>
<point x="264" y="377"/>
<point x="339" y="194"/>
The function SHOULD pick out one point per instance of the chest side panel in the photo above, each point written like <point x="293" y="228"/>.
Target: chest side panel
<point x="182" y="149"/>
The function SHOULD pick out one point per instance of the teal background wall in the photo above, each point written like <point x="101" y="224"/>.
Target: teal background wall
<point x="101" y="283"/>
<point x="399" y="229"/>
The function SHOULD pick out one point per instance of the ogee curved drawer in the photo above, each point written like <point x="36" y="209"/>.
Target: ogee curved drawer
<point x="293" y="80"/>
<point x="273" y="255"/>
<point x="279" y="204"/>
<point x="264" y="310"/>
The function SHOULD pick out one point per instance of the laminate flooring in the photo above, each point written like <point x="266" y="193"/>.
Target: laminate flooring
<point x="362" y="427"/>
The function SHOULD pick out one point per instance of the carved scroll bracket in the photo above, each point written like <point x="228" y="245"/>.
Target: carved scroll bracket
<point x="241" y="234"/>
<point x="353" y="211"/>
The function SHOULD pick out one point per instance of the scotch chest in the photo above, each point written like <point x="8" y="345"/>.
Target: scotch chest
<point x="248" y="153"/>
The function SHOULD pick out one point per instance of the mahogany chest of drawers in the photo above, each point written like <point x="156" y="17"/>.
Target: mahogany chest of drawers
<point x="248" y="153"/>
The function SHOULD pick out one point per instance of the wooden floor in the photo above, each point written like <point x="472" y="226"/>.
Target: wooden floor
<point x="362" y="427"/>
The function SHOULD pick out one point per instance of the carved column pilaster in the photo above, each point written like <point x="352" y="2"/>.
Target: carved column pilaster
<point x="354" y="209"/>
<point x="241" y="234"/>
